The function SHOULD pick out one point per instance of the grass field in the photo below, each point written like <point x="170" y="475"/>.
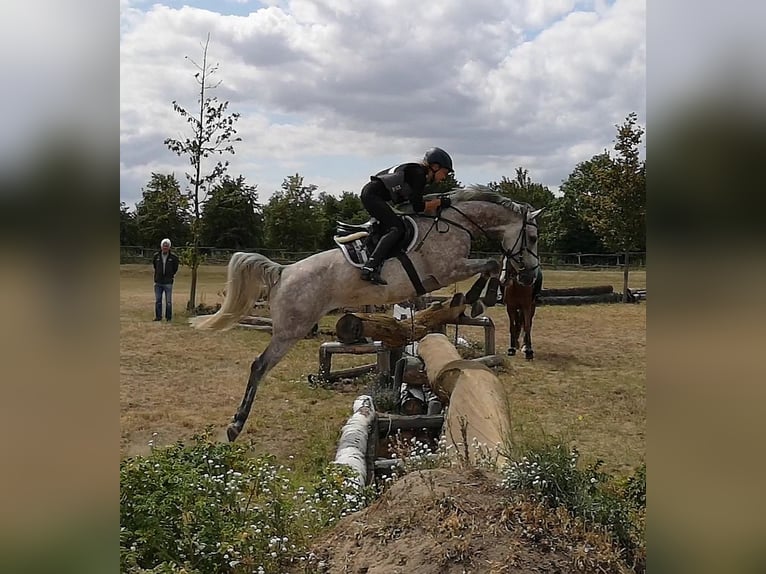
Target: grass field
<point x="587" y="382"/>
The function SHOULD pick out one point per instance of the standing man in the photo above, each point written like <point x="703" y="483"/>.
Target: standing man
<point x="165" y="267"/>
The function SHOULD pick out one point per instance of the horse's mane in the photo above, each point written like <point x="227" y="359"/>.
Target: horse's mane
<point x="478" y="192"/>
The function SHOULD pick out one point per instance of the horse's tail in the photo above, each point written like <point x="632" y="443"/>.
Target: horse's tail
<point x="250" y="276"/>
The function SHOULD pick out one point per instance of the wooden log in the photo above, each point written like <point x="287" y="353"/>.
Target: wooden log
<point x="354" y="327"/>
<point x="439" y="313"/>
<point x="414" y="373"/>
<point x="574" y="291"/>
<point x="352" y="446"/>
<point x="581" y="300"/>
<point x="349" y="373"/>
<point x="478" y="403"/>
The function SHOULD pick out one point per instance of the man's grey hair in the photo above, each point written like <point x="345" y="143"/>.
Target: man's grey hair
<point x="165" y="242"/>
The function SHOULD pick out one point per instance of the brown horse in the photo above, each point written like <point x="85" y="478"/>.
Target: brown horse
<point x="520" y="303"/>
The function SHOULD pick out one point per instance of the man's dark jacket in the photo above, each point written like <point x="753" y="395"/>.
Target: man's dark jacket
<point x="171" y="267"/>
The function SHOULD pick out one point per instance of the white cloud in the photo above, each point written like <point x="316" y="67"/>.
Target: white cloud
<point x="340" y="88"/>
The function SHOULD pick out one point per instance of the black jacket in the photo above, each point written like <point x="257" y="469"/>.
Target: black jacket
<point x="171" y="268"/>
<point x="405" y="182"/>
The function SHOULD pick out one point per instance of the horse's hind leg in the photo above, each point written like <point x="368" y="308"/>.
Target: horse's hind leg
<point x="276" y="349"/>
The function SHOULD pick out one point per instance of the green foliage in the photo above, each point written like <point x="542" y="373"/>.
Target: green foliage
<point x="162" y="212"/>
<point x="348" y="208"/>
<point x="568" y="228"/>
<point x="550" y="474"/>
<point x="231" y="216"/>
<point x="524" y="190"/>
<point x="213" y="133"/>
<point x="209" y="507"/>
<point x="617" y="205"/>
<point x="293" y="217"/>
<point x="128" y="226"/>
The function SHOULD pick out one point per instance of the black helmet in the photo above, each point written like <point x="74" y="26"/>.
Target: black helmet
<point x="438" y="155"/>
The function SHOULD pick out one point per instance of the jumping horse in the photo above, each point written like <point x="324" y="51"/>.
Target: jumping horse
<point x="301" y="293"/>
<point x="520" y="305"/>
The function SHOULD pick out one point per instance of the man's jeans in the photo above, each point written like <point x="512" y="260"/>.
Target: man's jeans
<point x="159" y="289"/>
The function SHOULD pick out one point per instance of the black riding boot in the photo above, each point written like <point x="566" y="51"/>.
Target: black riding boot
<point x="371" y="269"/>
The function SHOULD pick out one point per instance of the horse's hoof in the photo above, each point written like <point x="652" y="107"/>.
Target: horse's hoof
<point x="529" y="355"/>
<point x="511" y="352"/>
<point x="232" y="432"/>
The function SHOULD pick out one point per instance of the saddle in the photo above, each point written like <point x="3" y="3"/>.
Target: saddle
<point x="358" y="241"/>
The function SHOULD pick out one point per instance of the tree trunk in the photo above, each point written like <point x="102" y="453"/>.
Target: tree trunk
<point x="192" y="304"/>
<point x="354" y="327"/>
<point x="478" y="404"/>
<point x="354" y="436"/>
<point x="625" y="271"/>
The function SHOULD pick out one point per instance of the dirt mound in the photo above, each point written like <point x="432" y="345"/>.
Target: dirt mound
<point x="447" y="521"/>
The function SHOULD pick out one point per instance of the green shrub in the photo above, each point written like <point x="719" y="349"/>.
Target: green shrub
<point x="210" y="507"/>
<point x="551" y="474"/>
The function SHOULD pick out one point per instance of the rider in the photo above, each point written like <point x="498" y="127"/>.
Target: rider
<point x="404" y="182"/>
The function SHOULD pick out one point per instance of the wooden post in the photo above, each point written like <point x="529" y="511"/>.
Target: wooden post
<point x="327" y="349"/>
<point x="478" y="403"/>
<point x="354" y="436"/>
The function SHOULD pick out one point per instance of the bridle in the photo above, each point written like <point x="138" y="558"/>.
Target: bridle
<point x="516" y="253"/>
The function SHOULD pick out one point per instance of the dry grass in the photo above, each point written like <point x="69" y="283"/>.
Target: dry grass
<point x="587" y="381"/>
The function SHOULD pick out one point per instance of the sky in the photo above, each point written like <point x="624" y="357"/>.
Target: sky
<point x="336" y="90"/>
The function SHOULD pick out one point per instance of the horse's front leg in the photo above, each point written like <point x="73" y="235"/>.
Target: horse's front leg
<point x="468" y="267"/>
<point x="529" y="353"/>
<point x="514" y="328"/>
<point x="276" y="349"/>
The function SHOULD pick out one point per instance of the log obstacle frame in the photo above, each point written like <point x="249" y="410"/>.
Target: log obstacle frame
<point x="330" y="348"/>
<point x="486" y="323"/>
<point x="387" y="356"/>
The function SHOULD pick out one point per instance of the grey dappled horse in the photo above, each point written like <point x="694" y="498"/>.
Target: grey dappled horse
<point x="300" y="294"/>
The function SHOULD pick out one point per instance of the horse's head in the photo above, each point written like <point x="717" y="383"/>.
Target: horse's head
<point x="500" y="218"/>
<point x="520" y="244"/>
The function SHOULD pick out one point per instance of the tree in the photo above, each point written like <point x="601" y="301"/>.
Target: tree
<point x="128" y="226"/>
<point x="231" y="216"/>
<point x="347" y="208"/>
<point x="212" y="134"/>
<point x="292" y="219"/>
<point x="524" y="190"/>
<point x="617" y="208"/>
<point x="162" y="212"/>
<point x="568" y="229"/>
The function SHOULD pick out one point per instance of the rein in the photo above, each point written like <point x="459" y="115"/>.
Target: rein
<point x="511" y="254"/>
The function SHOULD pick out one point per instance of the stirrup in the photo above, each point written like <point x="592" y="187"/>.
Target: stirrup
<point x="373" y="276"/>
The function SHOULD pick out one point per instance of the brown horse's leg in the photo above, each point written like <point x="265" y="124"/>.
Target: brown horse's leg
<point x="529" y="313"/>
<point x="274" y="352"/>
<point x="514" y="320"/>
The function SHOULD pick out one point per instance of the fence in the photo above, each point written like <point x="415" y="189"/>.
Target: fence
<point x="219" y="256"/>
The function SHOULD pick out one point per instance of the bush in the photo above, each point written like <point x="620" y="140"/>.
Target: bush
<point x="209" y="507"/>
<point x="551" y="475"/>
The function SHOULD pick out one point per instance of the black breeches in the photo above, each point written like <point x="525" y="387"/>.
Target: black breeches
<point x="375" y="198"/>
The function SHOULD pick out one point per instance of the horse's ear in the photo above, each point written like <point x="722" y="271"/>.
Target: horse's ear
<point x="536" y="213"/>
